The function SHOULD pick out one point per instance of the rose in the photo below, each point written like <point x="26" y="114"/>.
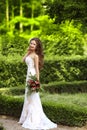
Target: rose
<point x="33" y="84"/>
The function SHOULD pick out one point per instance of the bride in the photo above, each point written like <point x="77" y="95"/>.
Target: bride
<point x="33" y="116"/>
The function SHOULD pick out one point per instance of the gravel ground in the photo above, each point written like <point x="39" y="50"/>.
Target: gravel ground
<point x="12" y="124"/>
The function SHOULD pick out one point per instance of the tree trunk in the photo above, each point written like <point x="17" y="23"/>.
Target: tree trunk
<point x="7" y="14"/>
<point x="32" y="15"/>
<point x="12" y="26"/>
<point x="21" y="14"/>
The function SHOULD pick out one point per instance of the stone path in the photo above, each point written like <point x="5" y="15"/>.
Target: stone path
<point x="12" y="124"/>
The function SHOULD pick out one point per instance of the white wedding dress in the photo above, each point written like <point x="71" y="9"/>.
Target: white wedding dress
<point x="33" y="116"/>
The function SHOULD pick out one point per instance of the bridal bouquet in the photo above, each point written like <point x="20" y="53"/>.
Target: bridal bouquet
<point x="33" y="84"/>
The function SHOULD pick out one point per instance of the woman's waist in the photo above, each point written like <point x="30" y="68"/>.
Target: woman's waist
<point x="30" y="73"/>
<point x="31" y="68"/>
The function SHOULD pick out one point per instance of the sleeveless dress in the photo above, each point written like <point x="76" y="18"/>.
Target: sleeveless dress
<point x="33" y="116"/>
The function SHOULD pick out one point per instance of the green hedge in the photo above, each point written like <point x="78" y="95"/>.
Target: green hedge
<point x="13" y="71"/>
<point x="64" y="69"/>
<point x="13" y="45"/>
<point x="12" y="91"/>
<point x="54" y="87"/>
<point x="64" y="113"/>
<point x="66" y="87"/>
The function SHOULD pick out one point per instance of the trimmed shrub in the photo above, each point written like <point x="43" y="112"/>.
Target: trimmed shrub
<point x="13" y="71"/>
<point x="54" y="87"/>
<point x="64" y="69"/>
<point x="66" y="87"/>
<point x="12" y="91"/>
<point x="13" y="45"/>
<point x="64" y="113"/>
<point x="10" y="106"/>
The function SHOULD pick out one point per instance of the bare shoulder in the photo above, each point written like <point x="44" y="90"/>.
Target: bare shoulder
<point x="36" y="56"/>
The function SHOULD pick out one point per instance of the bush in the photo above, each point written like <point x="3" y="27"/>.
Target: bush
<point x="13" y="71"/>
<point x="59" y="112"/>
<point x="12" y="91"/>
<point x="13" y="45"/>
<point x="63" y="39"/>
<point x="66" y="87"/>
<point x="53" y="87"/>
<point x="65" y="114"/>
<point x="10" y="106"/>
<point x="64" y="69"/>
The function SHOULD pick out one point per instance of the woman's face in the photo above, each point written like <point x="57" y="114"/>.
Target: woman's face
<point x="32" y="45"/>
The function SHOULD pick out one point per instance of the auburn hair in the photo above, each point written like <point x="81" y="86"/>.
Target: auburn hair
<point x="39" y="51"/>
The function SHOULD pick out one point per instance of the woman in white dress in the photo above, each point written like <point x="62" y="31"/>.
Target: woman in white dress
<point x="33" y="116"/>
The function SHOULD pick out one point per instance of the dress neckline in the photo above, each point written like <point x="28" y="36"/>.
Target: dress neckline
<point x="30" y="57"/>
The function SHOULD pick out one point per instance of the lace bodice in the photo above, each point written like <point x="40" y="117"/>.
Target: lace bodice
<point x="31" y="67"/>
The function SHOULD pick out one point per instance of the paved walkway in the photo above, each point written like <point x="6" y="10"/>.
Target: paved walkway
<point x="12" y="124"/>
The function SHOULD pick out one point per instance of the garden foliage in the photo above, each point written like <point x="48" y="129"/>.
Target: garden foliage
<point x="66" y="113"/>
<point x="64" y="40"/>
<point x="53" y="87"/>
<point x="13" y="70"/>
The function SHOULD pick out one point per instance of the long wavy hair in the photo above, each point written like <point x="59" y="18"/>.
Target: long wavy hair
<point x="39" y="51"/>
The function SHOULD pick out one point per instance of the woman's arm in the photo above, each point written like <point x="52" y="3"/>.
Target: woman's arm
<point x="36" y="59"/>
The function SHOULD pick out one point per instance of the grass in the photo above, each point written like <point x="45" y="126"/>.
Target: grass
<point x="66" y="109"/>
<point x="75" y="99"/>
<point x="79" y="99"/>
<point x="70" y="108"/>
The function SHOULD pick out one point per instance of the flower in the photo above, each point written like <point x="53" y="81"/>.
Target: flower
<point x="33" y="84"/>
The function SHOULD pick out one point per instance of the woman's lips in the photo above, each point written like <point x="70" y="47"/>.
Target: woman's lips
<point x="31" y="47"/>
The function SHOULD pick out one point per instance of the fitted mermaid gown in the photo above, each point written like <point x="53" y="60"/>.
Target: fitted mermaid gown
<point x="33" y="116"/>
